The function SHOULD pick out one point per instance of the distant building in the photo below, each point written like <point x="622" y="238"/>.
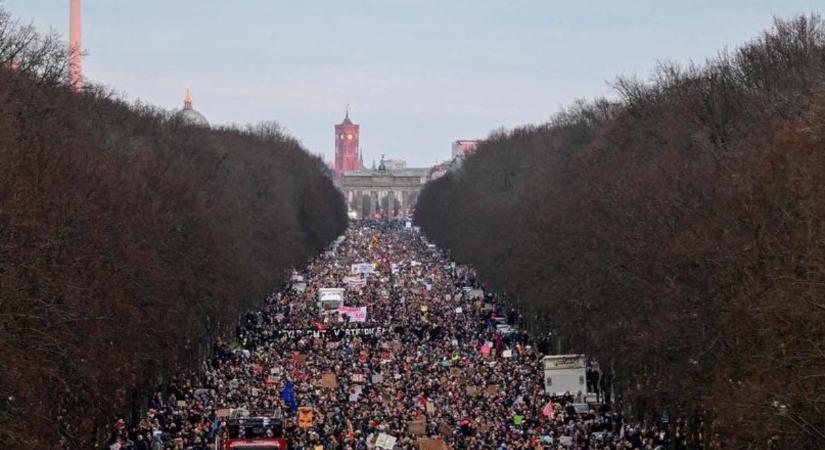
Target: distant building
<point x="191" y="115"/>
<point x="439" y="170"/>
<point x="383" y="191"/>
<point x="347" y="158"/>
<point x="395" y="164"/>
<point x="463" y="148"/>
<point x="389" y="190"/>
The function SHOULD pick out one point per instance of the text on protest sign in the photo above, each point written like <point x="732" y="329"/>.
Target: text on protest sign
<point x="362" y="268"/>
<point x="385" y="441"/>
<point x="331" y="333"/>
<point x="352" y="313"/>
<point x="355" y="281"/>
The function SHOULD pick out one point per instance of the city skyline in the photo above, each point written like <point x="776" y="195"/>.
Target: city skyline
<point x="417" y="74"/>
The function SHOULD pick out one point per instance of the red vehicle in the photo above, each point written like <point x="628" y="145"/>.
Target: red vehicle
<point x="259" y="430"/>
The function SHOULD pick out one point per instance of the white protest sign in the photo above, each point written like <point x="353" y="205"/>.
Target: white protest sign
<point x="362" y="268"/>
<point x="385" y="441"/>
<point x="355" y="281"/>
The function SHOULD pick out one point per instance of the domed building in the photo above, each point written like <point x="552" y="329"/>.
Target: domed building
<point x="191" y="115"/>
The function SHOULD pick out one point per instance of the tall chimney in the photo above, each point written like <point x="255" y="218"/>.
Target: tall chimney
<point x="75" y="47"/>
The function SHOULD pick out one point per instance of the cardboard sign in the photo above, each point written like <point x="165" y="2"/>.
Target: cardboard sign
<point x="491" y="389"/>
<point x="472" y="390"/>
<point x="222" y="413"/>
<point x="329" y="381"/>
<point x="385" y="441"/>
<point x="298" y="358"/>
<point x="417" y="427"/>
<point x="431" y="444"/>
<point x="454" y="372"/>
<point x="306" y="417"/>
<point x="430" y="407"/>
<point x="181" y="403"/>
<point x="445" y="429"/>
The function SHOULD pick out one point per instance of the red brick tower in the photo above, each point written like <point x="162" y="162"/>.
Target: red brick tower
<point x="346" y="146"/>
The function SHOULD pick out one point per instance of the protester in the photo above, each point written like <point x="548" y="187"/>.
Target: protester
<point x="425" y="356"/>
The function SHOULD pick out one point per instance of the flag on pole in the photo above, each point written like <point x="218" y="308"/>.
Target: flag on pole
<point x="350" y="432"/>
<point x="288" y="394"/>
<point x="549" y="410"/>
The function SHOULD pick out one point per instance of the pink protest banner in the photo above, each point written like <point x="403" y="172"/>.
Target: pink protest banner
<point x="353" y="313"/>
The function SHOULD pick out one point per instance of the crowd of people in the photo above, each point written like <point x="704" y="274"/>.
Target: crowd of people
<point x="427" y="362"/>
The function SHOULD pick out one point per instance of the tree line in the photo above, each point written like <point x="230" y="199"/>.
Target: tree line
<point x="675" y="233"/>
<point x="129" y="241"/>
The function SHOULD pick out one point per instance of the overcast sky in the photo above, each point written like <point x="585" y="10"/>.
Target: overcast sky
<point x="418" y="74"/>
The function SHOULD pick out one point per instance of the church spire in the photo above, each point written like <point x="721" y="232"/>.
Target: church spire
<point x="187" y="99"/>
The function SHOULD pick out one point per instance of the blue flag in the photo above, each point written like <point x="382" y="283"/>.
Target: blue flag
<point x="288" y="394"/>
<point x="215" y="425"/>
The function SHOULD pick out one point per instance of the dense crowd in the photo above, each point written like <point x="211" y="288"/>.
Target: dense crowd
<point x="427" y="361"/>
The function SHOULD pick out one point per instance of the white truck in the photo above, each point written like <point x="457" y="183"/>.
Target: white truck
<point x="330" y="299"/>
<point x="565" y="373"/>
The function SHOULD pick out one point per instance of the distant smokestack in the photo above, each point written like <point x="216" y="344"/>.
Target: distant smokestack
<point x="75" y="47"/>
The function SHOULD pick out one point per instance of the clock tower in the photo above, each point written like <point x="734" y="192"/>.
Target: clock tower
<point x="346" y="146"/>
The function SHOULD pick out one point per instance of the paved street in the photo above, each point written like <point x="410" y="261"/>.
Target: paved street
<point x="424" y="367"/>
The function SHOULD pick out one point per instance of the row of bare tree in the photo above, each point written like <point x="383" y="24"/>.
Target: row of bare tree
<point x="677" y="234"/>
<point x="129" y="241"/>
